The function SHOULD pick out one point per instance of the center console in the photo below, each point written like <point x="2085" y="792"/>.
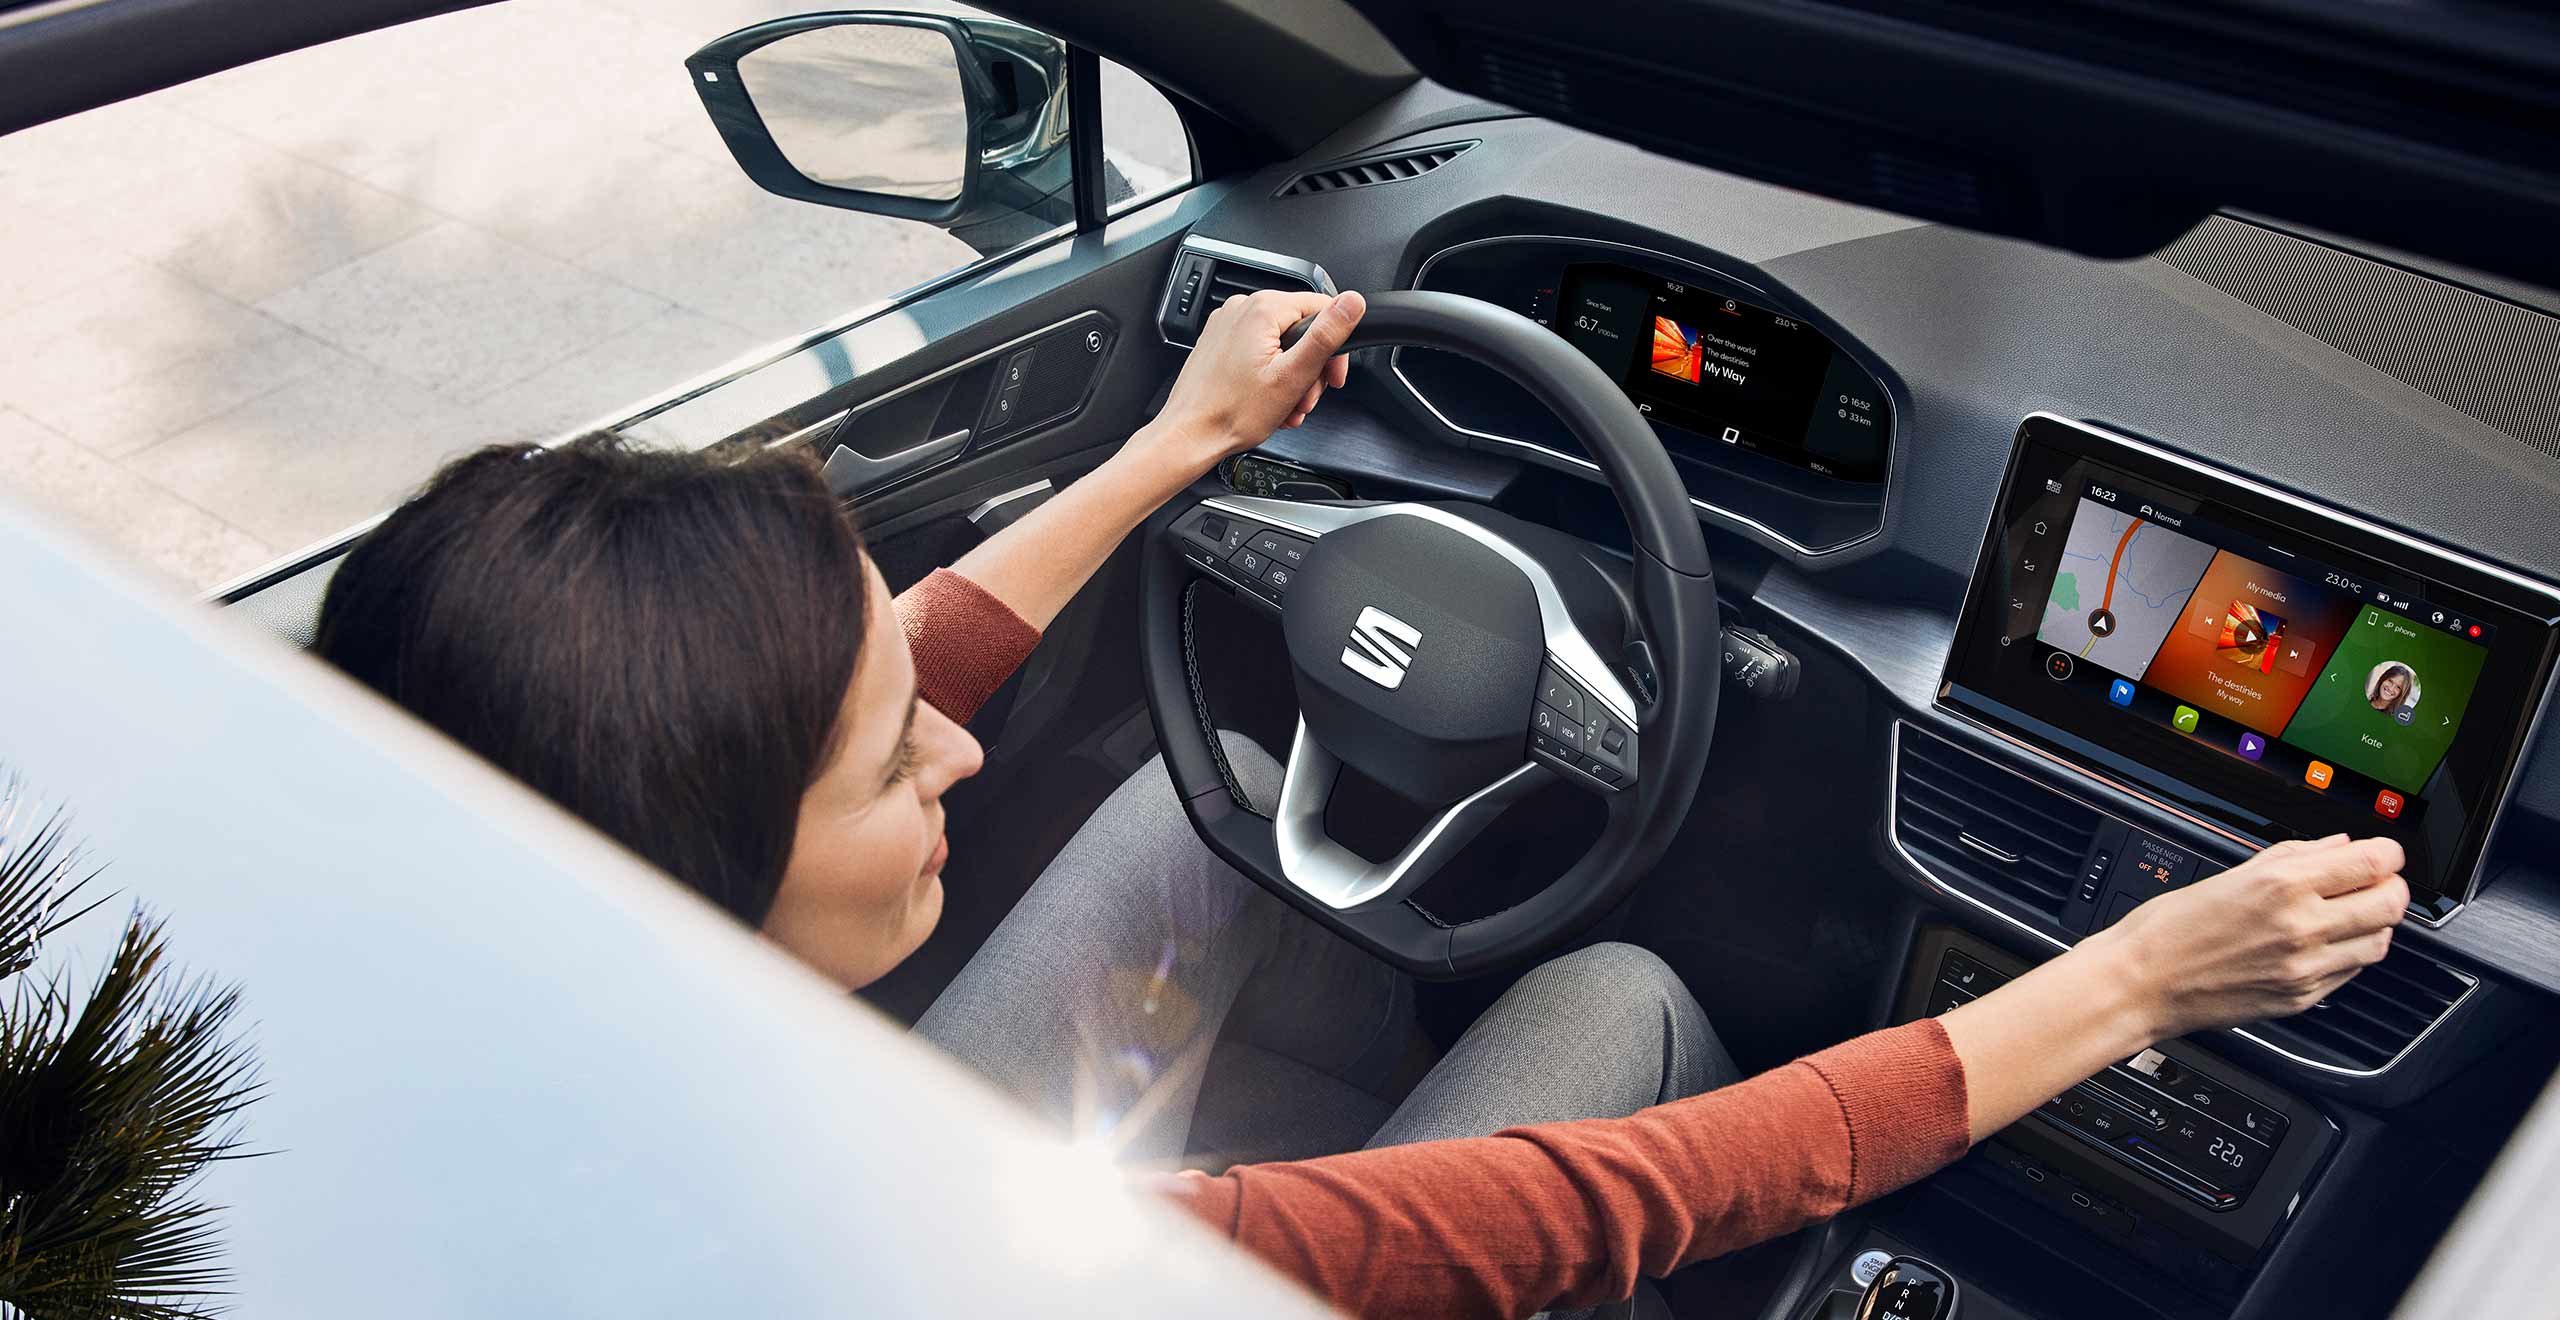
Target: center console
<point x="2161" y="667"/>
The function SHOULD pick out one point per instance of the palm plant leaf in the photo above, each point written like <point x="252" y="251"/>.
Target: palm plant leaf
<point x="111" y="1105"/>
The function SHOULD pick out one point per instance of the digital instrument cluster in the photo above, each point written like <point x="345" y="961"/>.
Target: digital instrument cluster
<point x="1728" y="370"/>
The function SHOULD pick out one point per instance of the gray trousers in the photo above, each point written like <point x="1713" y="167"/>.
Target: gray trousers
<point x="1146" y="996"/>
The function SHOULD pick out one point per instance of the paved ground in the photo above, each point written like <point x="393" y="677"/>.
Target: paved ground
<point x="241" y="314"/>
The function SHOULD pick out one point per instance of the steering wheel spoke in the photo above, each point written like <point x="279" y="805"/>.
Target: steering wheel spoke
<point x="1345" y="881"/>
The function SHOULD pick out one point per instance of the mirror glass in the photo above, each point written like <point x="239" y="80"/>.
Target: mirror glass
<point x="872" y="108"/>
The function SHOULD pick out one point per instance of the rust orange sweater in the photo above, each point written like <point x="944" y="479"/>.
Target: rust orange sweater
<point x="1560" y="1214"/>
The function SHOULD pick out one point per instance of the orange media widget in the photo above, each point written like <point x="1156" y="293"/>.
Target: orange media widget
<point x="2250" y="642"/>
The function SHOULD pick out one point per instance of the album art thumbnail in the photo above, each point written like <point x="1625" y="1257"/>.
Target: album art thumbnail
<point x="1676" y="350"/>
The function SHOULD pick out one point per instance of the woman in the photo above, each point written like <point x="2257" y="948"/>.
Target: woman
<point x="691" y="653"/>
<point x="2392" y="687"/>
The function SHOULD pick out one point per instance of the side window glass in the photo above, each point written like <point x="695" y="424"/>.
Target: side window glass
<point x="248" y="312"/>
<point x="1143" y="140"/>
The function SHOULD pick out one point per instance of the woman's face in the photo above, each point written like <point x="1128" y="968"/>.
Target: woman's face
<point x="864" y="884"/>
<point x="2388" y="692"/>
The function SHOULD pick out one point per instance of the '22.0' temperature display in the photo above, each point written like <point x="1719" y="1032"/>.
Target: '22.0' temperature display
<point x="1728" y="371"/>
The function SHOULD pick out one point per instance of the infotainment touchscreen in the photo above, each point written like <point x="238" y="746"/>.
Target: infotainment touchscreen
<point x="1727" y="370"/>
<point x="2259" y="663"/>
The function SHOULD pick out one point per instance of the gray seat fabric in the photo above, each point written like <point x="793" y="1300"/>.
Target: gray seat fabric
<point x="1257" y="1107"/>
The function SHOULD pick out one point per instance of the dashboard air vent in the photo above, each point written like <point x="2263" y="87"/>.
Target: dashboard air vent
<point x="1996" y="833"/>
<point x="2374" y="1018"/>
<point x="1383" y="167"/>
<point x="1207" y="272"/>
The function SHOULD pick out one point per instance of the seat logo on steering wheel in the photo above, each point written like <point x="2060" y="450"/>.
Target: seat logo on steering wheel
<point x="1380" y="649"/>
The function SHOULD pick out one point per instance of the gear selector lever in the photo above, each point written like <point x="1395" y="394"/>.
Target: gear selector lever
<point x="1909" y="1288"/>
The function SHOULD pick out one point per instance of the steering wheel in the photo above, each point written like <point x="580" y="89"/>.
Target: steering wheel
<point x="1458" y="657"/>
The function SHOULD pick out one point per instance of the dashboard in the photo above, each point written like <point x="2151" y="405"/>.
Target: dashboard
<point x="2103" y="575"/>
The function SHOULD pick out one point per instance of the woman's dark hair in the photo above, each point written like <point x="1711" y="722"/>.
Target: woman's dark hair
<point x="660" y="642"/>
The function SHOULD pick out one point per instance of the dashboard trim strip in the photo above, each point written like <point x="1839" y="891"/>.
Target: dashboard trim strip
<point x="2533" y="726"/>
<point x="1893" y="837"/>
<point x="1395" y="367"/>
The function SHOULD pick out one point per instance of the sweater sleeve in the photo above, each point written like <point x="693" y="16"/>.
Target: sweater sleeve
<point x="1570" y="1214"/>
<point x="966" y="642"/>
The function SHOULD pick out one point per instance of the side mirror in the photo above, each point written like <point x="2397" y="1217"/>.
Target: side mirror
<point x="961" y="124"/>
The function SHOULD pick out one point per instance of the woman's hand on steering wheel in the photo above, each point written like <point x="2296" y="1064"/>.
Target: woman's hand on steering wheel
<point x="1241" y="385"/>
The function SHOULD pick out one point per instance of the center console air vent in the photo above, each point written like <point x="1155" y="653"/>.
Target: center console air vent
<point x="2373" y="1019"/>
<point x="1207" y="272"/>
<point x="1378" y="167"/>
<point x="1996" y="833"/>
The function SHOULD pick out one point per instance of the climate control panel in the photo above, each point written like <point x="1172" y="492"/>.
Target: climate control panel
<point x="2173" y="1140"/>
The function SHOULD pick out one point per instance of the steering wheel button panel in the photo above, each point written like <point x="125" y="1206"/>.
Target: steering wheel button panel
<point x="1556" y="690"/>
<point x="1599" y="748"/>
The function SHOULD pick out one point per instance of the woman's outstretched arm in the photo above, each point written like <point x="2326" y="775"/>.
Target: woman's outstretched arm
<point x="1570" y="1214"/>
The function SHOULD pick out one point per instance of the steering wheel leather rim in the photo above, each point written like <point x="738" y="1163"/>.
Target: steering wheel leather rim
<point x="1675" y="613"/>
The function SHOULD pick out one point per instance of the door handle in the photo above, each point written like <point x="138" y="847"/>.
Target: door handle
<point x="850" y="473"/>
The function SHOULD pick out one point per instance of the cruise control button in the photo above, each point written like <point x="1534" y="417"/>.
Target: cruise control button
<point x="1556" y="690"/>
<point x="1254" y="565"/>
<point x="1282" y="549"/>
<point x="1280" y="577"/>
<point x="1237" y="535"/>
